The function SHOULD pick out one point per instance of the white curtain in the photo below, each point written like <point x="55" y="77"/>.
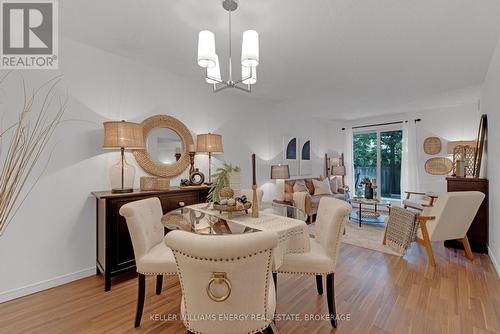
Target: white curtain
<point x="348" y="161"/>
<point x="409" y="159"/>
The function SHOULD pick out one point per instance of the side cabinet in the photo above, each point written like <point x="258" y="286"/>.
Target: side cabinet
<point x="114" y="250"/>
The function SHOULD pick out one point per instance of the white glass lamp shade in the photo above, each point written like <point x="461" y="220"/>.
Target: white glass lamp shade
<point x="245" y="73"/>
<point x="214" y="72"/>
<point x="250" y="48"/>
<point x="206" y="49"/>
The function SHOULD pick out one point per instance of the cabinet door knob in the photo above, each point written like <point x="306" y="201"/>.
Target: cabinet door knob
<point x="181" y="204"/>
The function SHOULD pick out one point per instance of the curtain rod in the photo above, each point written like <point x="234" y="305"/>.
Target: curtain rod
<point x="380" y="124"/>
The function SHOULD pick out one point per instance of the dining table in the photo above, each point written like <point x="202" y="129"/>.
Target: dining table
<point x="288" y="222"/>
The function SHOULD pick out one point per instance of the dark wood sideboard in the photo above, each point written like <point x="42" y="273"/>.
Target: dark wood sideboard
<point x="478" y="231"/>
<point x="114" y="252"/>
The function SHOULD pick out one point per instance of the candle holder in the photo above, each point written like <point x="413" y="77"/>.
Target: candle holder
<point x="255" y="205"/>
<point x="191" y="161"/>
<point x="255" y="202"/>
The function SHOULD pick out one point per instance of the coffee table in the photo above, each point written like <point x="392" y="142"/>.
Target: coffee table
<point x="367" y="210"/>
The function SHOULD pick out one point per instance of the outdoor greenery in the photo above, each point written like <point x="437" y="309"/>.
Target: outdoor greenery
<point x="365" y="160"/>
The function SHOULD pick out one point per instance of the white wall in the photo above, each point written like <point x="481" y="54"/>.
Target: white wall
<point x="52" y="239"/>
<point x="450" y="123"/>
<point x="490" y="104"/>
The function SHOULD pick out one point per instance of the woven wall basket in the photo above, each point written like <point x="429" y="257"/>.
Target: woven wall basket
<point x="432" y="145"/>
<point x="438" y="166"/>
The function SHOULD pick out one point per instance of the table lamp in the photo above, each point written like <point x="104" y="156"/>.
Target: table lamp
<point x="280" y="173"/>
<point x="212" y="144"/>
<point x="122" y="135"/>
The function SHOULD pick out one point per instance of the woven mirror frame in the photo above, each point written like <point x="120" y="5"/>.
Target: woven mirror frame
<point x="149" y="165"/>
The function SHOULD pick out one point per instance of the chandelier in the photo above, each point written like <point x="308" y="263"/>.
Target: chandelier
<point x="208" y="59"/>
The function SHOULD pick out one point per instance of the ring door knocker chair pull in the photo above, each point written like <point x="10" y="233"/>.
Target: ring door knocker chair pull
<point x="218" y="278"/>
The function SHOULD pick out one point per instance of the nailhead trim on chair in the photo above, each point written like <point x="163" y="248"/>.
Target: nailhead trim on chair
<point x="303" y="273"/>
<point x="270" y="251"/>
<point x="150" y="274"/>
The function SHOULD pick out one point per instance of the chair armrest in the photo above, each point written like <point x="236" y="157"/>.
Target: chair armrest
<point x="415" y="193"/>
<point x="424" y="219"/>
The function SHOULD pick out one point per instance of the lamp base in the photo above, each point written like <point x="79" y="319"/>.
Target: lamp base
<point x="122" y="190"/>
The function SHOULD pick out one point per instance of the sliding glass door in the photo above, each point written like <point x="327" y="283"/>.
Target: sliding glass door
<point x="377" y="156"/>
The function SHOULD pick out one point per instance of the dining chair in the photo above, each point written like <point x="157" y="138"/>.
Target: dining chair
<point x="449" y="219"/>
<point x="325" y="247"/>
<point x="152" y="256"/>
<point x="225" y="275"/>
<point x="249" y="194"/>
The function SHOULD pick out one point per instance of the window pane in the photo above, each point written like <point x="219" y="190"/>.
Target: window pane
<point x="390" y="154"/>
<point x="365" y="158"/>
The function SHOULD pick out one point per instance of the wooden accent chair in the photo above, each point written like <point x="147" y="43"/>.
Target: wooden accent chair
<point x="152" y="256"/>
<point x="325" y="247"/>
<point x="449" y="218"/>
<point x="419" y="204"/>
<point x="225" y="275"/>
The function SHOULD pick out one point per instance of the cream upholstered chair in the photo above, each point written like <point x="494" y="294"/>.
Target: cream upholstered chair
<point x="325" y="247"/>
<point x="249" y="194"/>
<point x="152" y="256"/>
<point x="225" y="275"/>
<point x="449" y="218"/>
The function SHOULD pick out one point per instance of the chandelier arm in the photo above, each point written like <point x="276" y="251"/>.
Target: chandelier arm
<point x="214" y="79"/>
<point x="242" y="79"/>
<point x="222" y="87"/>
<point x="245" y="89"/>
<point x="246" y="78"/>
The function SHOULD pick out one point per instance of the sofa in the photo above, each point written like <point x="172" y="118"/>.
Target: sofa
<point x="305" y="198"/>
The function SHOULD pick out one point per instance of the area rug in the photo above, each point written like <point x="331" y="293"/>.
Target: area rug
<point x="367" y="236"/>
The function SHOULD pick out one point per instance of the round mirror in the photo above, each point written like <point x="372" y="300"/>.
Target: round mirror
<point x="167" y="143"/>
<point x="164" y="146"/>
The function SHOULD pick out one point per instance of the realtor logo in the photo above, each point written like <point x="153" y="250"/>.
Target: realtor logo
<point x="29" y="34"/>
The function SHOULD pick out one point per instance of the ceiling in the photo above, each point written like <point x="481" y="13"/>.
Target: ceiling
<point x="338" y="59"/>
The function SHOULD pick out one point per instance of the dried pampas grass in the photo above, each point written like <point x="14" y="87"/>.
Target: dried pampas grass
<point x="26" y="141"/>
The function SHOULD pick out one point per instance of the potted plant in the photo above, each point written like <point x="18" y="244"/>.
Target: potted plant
<point x="223" y="177"/>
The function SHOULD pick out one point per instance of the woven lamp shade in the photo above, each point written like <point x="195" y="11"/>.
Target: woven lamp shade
<point x="280" y="172"/>
<point x="338" y="170"/>
<point x="209" y="143"/>
<point x="121" y="134"/>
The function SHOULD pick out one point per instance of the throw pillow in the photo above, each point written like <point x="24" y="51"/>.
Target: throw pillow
<point x="322" y="187"/>
<point x="300" y="186"/>
<point x="334" y="185"/>
<point x="310" y="186"/>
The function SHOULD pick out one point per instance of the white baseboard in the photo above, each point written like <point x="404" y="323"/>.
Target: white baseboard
<point x="44" y="285"/>
<point x="494" y="261"/>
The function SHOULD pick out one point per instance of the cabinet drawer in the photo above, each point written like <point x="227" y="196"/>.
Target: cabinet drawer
<point x="173" y="202"/>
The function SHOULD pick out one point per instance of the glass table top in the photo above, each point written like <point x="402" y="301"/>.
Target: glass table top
<point x="362" y="200"/>
<point x="191" y="219"/>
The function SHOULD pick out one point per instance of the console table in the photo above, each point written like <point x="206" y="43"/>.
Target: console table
<point x="114" y="251"/>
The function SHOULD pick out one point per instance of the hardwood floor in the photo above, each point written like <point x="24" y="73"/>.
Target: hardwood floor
<point x="380" y="293"/>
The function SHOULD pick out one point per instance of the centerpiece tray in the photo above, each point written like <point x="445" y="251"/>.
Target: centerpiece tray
<point x="232" y="208"/>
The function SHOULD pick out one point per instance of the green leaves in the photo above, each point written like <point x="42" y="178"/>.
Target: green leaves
<point x="221" y="180"/>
